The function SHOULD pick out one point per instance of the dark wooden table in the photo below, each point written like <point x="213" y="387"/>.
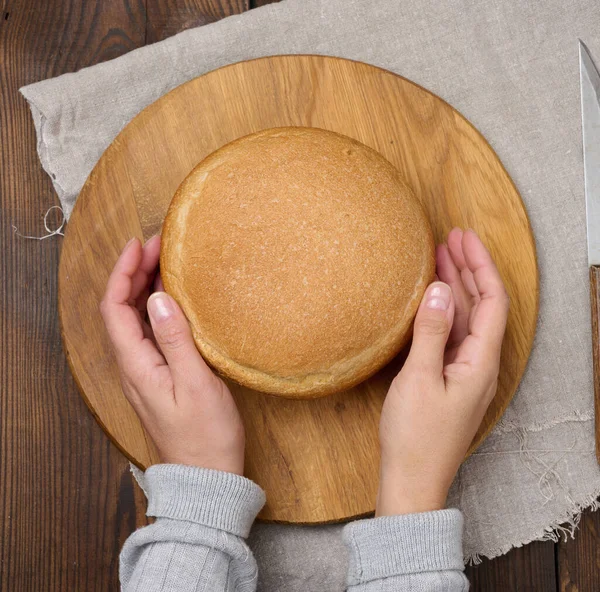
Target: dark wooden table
<point x="67" y="499"/>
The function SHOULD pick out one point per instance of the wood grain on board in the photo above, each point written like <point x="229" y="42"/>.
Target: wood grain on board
<point x="316" y="459"/>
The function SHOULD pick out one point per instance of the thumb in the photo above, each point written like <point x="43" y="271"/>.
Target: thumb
<point x="174" y="337"/>
<point x="432" y="328"/>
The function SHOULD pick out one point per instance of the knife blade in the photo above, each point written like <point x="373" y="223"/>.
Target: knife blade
<point x="590" y="124"/>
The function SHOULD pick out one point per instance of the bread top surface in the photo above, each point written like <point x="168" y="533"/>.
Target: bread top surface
<point x="299" y="257"/>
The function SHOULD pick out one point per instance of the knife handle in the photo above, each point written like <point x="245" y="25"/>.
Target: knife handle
<point x="595" y="304"/>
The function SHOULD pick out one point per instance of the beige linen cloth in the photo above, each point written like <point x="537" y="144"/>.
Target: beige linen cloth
<point x="510" y="67"/>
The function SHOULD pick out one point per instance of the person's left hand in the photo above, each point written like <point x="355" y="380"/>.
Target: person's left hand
<point x="436" y="403"/>
<point x="187" y="410"/>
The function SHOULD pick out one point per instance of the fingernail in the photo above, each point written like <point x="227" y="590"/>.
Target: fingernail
<point x="438" y="296"/>
<point x="129" y="242"/>
<point x="159" y="307"/>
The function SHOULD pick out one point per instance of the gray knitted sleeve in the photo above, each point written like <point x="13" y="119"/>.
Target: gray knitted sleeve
<point x="203" y="517"/>
<point x="413" y="552"/>
<point x="197" y="542"/>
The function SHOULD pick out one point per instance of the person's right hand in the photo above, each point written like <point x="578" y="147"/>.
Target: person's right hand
<point x="436" y="403"/>
<point x="187" y="410"/>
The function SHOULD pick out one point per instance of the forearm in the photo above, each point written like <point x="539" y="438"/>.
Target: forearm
<point x="197" y="541"/>
<point x="419" y="552"/>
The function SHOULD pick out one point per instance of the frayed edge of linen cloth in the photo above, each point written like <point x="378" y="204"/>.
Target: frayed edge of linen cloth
<point x="39" y="122"/>
<point x="547" y="477"/>
<point x="560" y="530"/>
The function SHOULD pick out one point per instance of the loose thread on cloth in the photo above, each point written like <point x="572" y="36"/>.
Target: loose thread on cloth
<point x="561" y="529"/>
<point x="505" y="426"/>
<point x="57" y="231"/>
<point x="548" y="470"/>
<point x="566" y="525"/>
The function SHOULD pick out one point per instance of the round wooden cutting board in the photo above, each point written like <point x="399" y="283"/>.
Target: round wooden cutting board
<point x="316" y="459"/>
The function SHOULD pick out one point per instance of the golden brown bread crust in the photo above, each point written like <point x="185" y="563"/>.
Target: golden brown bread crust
<point x="299" y="257"/>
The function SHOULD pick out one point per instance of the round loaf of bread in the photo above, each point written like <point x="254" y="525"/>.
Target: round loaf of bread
<point x="299" y="257"/>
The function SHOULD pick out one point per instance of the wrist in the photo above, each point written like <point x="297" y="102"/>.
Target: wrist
<point x="394" y="503"/>
<point x="225" y="465"/>
<point x="400" y="494"/>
